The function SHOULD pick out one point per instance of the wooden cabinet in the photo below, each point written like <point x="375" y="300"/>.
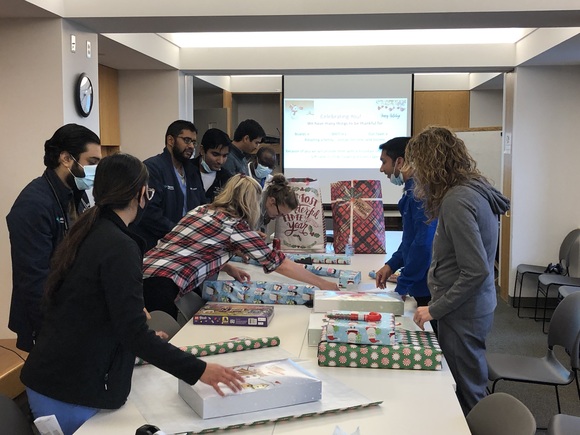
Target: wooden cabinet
<point x="110" y="132"/>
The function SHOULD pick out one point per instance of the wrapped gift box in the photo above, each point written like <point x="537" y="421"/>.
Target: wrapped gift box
<point x="321" y="258"/>
<point x="323" y="270"/>
<point x="257" y="292"/>
<point x="348" y="277"/>
<point x="384" y="302"/>
<point x="357" y="211"/>
<point x="267" y="385"/>
<point x="417" y="350"/>
<point x="217" y="313"/>
<point x="315" y="324"/>
<point x="360" y="331"/>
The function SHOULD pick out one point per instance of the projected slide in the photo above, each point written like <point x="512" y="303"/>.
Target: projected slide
<point x="340" y="133"/>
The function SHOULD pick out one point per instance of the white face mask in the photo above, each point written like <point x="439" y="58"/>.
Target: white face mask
<point x="86" y="182"/>
<point x="262" y="171"/>
<point x="397" y="180"/>
<point x="206" y="167"/>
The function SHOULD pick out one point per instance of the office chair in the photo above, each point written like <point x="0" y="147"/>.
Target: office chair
<point x="564" y="331"/>
<point x="567" y="290"/>
<point x="545" y="281"/>
<point x="187" y="306"/>
<point x="14" y="422"/>
<point x="501" y="414"/>
<point x="533" y="269"/>
<point x="161" y="321"/>
<point x="562" y="424"/>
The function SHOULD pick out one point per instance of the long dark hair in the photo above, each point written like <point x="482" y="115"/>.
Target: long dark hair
<point x="118" y="180"/>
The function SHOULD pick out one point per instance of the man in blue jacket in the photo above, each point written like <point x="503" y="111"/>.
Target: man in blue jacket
<point x="414" y="253"/>
<point x="176" y="181"/>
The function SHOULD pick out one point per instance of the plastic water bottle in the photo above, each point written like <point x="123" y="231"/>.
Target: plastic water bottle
<point x="349" y="248"/>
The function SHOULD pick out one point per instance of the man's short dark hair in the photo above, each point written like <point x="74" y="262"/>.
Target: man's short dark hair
<point x="266" y="156"/>
<point x="214" y="138"/>
<point x="395" y="148"/>
<point x="72" y="138"/>
<point x="250" y="128"/>
<point x="176" y="127"/>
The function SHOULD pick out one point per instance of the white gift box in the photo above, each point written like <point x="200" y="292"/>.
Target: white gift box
<point x="317" y="320"/>
<point x="271" y="384"/>
<point x="381" y="302"/>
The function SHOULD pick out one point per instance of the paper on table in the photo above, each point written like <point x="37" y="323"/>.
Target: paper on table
<point x="151" y="387"/>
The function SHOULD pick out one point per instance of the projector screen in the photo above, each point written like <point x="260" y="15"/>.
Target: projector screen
<point x="333" y="126"/>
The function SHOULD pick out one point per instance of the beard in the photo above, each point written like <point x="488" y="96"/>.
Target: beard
<point x="181" y="156"/>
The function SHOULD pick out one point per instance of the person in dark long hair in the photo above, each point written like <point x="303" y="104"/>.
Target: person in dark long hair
<point x="95" y="323"/>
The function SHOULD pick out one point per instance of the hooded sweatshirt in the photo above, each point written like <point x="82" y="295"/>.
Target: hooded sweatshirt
<point x="461" y="275"/>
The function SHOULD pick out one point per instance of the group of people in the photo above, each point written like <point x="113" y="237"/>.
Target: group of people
<point x="84" y="278"/>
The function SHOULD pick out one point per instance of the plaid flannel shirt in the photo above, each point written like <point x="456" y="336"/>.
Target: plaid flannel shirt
<point x="200" y="244"/>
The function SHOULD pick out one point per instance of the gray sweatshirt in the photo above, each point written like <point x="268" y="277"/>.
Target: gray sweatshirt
<point x="461" y="276"/>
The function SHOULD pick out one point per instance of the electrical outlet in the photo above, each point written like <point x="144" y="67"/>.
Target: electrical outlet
<point x="89" y="52"/>
<point x="73" y="43"/>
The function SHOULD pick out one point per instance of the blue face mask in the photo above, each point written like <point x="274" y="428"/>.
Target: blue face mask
<point x="397" y="180"/>
<point x="206" y="167"/>
<point x="86" y="182"/>
<point x="262" y="171"/>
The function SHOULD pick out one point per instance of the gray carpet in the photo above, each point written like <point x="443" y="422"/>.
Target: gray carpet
<point x="513" y="335"/>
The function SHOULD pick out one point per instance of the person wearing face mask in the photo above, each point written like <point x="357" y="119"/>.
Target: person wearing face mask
<point x="262" y="164"/>
<point x="40" y="217"/>
<point x="95" y="324"/>
<point x="176" y="180"/>
<point x="214" y="151"/>
<point x="414" y="253"/>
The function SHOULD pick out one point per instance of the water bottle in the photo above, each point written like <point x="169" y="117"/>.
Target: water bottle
<point x="349" y="248"/>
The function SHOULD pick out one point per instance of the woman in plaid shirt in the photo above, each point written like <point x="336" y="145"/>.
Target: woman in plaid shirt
<point x="205" y="239"/>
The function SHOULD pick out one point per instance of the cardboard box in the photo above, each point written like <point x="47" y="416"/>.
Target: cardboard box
<point x="361" y="331"/>
<point x="216" y="313"/>
<point x="382" y="302"/>
<point x="257" y="292"/>
<point x="417" y="350"/>
<point x="348" y="277"/>
<point x="271" y="384"/>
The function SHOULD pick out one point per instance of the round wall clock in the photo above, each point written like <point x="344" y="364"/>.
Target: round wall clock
<point x="84" y="95"/>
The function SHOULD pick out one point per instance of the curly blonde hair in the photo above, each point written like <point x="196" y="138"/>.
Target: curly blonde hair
<point x="240" y="198"/>
<point x="440" y="161"/>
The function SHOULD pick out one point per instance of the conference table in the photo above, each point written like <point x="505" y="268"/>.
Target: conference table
<point x="413" y="401"/>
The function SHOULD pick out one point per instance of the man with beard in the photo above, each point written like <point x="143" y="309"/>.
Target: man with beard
<point x="176" y="181"/>
<point x="41" y="216"/>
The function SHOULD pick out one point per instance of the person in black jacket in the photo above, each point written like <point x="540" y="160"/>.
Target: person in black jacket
<point x="214" y="151"/>
<point x="95" y="323"/>
<point x="175" y="179"/>
<point x="41" y="216"/>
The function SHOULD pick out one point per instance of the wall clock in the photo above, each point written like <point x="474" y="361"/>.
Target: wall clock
<point x="84" y="95"/>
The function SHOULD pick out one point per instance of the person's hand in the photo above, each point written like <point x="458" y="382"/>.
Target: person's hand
<point x="214" y="374"/>
<point x="238" y="274"/>
<point x="262" y="235"/>
<point x="245" y="257"/>
<point x="327" y="285"/>
<point x="382" y="276"/>
<point x="421" y="316"/>
<point x="162" y="335"/>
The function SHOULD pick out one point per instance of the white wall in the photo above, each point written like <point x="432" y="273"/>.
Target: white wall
<point x="546" y="156"/>
<point x="485" y="108"/>
<point x="148" y="103"/>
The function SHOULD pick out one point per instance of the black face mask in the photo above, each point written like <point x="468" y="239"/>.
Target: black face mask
<point x="140" y="211"/>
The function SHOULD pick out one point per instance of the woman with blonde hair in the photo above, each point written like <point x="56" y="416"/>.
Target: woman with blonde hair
<point x="461" y="275"/>
<point x="205" y="239"/>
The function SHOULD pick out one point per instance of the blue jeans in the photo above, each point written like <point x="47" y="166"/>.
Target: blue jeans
<point x="69" y="416"/>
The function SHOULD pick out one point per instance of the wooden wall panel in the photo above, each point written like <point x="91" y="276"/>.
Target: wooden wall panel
<point x="109" y="107"/>
<point x="446" y="108"/>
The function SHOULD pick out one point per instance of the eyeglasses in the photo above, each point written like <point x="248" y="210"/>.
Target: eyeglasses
<point x="278" y="209"/>
<point x="150" y="192"/>
<point x="187" y="140"/>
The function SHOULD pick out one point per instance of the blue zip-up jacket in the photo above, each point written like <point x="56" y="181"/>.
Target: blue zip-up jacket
<point x="414" y="253"/>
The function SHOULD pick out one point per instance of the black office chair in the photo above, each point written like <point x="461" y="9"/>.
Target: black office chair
<point x="12" y="420"/>
<point x="564" y="332"/>
<point x="501" y="414"/>
<point x="532" y="269"/>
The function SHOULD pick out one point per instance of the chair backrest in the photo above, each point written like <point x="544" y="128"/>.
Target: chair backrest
<point x="161" y="321"/>
<point x="565" y="327"/>
<point x="187" y="306"/>
<point x="501" y="414"/>
<point x="12" y="419"/>
<point x="566" y="248"/>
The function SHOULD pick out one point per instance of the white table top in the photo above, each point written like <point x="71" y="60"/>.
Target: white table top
<point x="414" y="402"/>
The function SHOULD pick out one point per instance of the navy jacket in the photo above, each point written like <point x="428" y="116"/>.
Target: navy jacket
<point x="414" y="253"/>
<point x="92" y="332"/>
<point x="166" y="207"/>
<point x="221" y="178"/>
<point x="37" y="223"/>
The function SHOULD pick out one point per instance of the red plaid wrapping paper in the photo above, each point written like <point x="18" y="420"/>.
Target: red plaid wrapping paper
<point x="357" y="209"/>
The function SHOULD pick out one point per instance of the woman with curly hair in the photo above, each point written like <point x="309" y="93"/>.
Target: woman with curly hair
<point x="461" y="275"/>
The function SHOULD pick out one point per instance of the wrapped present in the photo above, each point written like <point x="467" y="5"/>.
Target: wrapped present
<point x="303" y="229"/>
<point x="417" y="350"/>
<point x="385" y="302"/>
<point x="315" y="324"/>
<point x="348" y="277"/>
<point x="257" y="292"/>
<point x="341" y="328"/>
<point x="219" y="313"/>
<point x="234" y="345"/>
<point x="321" y="258"/>
<point x="267" y="385"/>
<point x="357" y="212"/>
<point x="323" y="270"/>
